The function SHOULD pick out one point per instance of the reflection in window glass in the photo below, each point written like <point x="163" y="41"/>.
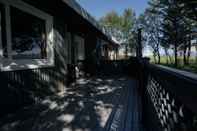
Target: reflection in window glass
<point x="80" y="51"/>
<point x="3" y="30"/>
<point x="28" y="36"/>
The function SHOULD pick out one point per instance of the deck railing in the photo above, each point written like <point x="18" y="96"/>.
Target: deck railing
<point x="169" y="98"/>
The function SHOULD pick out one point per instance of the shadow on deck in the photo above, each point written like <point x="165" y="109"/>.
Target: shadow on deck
<point x="95" y="104"/>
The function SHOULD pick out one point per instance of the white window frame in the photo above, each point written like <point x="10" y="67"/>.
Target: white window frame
<point x="9" y="64"/>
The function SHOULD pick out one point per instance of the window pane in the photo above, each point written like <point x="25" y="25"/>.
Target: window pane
<point x="3" y="30"/>
<point x="80" y="52"/>
<point x="28" y="35"/>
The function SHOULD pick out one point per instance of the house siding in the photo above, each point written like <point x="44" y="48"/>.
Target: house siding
<point x="26" y="87"/>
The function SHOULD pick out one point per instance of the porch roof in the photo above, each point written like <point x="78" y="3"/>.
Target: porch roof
<point x="82" y="12"/>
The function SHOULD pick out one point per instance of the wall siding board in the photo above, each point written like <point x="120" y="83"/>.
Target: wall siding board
<point x="26" y="87"/>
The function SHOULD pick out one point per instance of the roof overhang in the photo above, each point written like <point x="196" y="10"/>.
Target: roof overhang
<point x="82" y="12"/>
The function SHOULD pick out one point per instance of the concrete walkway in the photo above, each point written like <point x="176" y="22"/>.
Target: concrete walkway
<point x="96" y="104"/>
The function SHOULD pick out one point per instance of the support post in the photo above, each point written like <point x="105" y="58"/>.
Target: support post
<point x="139" y="46"/>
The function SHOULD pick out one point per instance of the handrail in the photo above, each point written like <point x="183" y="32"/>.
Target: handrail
<point x="179" y="73"/>
<point x="181" y="83"/>
<point x="169" y="98"/>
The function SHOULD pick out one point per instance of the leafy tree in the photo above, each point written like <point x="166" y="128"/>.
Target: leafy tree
<point x="120" y="27"/>
<point x="175" y="25"/>
<point x="128" y="22"/>
<point x="190" y="8"/>
<point x="112" y="23"/>
<point x="151" y="23"/>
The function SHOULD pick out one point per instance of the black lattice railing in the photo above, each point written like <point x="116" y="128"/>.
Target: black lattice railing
<point x="168" y="100"/>
<point x="172" y="114"/>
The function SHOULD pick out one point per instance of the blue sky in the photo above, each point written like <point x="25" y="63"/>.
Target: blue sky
<point x="99" y="8"/>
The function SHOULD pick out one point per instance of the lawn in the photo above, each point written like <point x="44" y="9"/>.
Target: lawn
<point x="191" y="67"/>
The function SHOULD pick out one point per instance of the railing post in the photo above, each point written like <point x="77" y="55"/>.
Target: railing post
<point x="139" y="46"/>
<point x="143" y="78"/>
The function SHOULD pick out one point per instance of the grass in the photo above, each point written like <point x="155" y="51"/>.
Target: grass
<point x="191" y="67"/>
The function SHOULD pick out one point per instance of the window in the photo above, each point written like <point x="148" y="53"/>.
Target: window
<point x="26" y="36"/>
<point x="3" y="48"/>
<point x="80" y="51"/>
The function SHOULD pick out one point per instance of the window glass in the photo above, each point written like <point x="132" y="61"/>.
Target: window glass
<point x="3" y="30"/>
<point x="80" y="48"/>
<point x="28" y="36"/>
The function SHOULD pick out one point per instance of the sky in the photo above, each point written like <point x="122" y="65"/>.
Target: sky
<point x="99" y="8"/>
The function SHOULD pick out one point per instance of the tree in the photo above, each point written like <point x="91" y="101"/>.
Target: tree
<point x="151" y="23"/>
<point x="169" y="24"/>
<point x="190" y="8"/>
<point x="112" y="23"/>
<point x="175" y="25"/>
<point x="128" y="21"/>
<point x="120" y="27"/>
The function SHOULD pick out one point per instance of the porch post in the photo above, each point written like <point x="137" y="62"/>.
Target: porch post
<point x="139" y="46"/>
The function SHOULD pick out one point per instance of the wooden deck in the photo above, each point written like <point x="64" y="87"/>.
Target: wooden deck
<point x="96" y="104"/>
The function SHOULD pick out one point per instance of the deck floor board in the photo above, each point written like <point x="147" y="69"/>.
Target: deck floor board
<point x="95" y="104"/>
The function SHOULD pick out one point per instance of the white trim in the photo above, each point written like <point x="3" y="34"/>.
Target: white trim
<point x="1" y="47"/>
<point x="8" y="30"/>
<point x="9" y="64"/>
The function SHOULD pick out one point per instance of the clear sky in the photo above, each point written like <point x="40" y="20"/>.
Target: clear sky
<point x="99" y="8"/>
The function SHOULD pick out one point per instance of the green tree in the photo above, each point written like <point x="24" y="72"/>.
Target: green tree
<point x="175" y="24"/>
<point x="112" y="23"/>
<point x="190" y="8"/>
<point x="151" y="23"/>
<point x="128" y="22"/>
<point x="120" y="27"/>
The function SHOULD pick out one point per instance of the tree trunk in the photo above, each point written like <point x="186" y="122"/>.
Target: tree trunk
<point x="126" y="51"/>
<point x="159" y="57"/>
<point x="154" y="56"/>
<point x="167" y="60"/>
<point x="158" y="54"/>
<point x="184" y="55"/>
<point x="196" y="52"/>
<point x="189" y="51"/>
<point x="175" y="55"/>
<point x="167" y="55"/>
<point x="176" y="43"/>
